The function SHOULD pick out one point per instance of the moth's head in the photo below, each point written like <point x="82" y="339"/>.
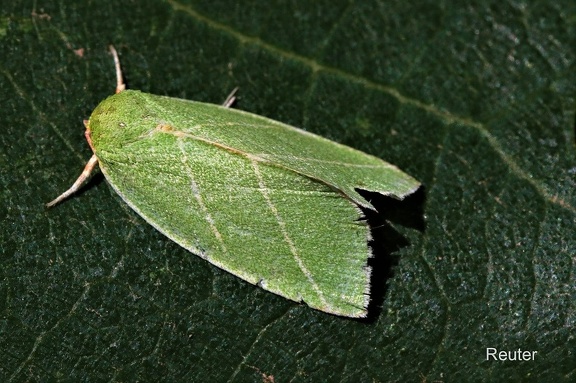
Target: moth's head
<point x="119" y="120"/>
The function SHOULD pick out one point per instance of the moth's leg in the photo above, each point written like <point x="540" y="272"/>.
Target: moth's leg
<point x="76" y="185"/>
<point x="120" y="86"/>
<point x="230" y="99"/>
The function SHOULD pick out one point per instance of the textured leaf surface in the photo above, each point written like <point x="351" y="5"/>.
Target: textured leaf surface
<point x="475" y="101"/>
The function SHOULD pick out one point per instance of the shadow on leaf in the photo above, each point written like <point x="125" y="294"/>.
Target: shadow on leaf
<point x="386" y="241"/>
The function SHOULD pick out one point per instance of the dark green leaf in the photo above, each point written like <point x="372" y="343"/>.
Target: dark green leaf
<point x="475" y="100"/>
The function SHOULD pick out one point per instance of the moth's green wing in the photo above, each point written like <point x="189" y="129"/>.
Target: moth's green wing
<point x="269" y="203"/>
<point x="266" y="140"/>
<point x="293" y="236"/>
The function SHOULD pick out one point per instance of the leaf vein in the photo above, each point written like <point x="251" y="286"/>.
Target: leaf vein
<point x="447" y="117"/>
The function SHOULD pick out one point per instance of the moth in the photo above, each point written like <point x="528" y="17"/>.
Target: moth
<point x="275" y="205"/>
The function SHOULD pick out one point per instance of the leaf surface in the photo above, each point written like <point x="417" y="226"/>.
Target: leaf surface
<point x="476" y="101"/>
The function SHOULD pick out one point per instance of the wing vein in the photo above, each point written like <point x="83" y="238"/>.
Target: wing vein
<point x="339" y="163"/>
<point x="268" y="156"/>
<point x="196" y="192"/>
<point x="282" y="224"/>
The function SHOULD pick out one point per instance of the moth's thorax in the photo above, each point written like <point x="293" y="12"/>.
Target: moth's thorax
<point x="120" y="120"/>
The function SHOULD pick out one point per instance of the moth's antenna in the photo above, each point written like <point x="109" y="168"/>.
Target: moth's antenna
<point x="120" y="86"/>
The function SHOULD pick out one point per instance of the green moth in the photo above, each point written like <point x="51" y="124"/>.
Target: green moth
<point x="272" y="204"/>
